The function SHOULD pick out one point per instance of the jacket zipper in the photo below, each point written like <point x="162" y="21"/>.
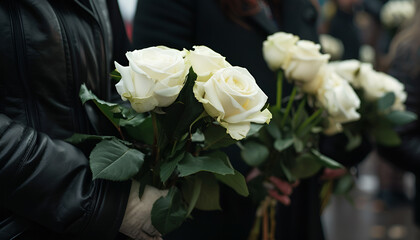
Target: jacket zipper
<point x="78" y="112"/>
<point x="105" y="85"/>
<point x="20" y="50"/>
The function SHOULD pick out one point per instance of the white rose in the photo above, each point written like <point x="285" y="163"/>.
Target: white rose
<point x="397" y="13"/>
<point x="331" y="45"/>
<point x="313" y="86"/>
<point x="154" y="77"/>
<point x="377" y="84"/>
<point x="233" y="97"/>
<point x="347" y="69"/>
<point x="338" y="98"/>
<point x="332" y="127"/>
<point x="276" y="49"/>
<point x="305" y="61"/>
<point x="205" y="62"/>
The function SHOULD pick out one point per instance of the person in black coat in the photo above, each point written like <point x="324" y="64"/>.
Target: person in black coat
<point x="404" y="65"/>
<point x="237" y="32"/>
<point x="48" y="49"/>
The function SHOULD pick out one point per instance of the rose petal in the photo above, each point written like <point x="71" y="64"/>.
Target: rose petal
<point x="237" y="131"/>
<point x="142" y="105"/>
<point x="127" y="82"/>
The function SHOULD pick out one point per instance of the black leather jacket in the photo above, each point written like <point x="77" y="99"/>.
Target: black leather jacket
<point x="47" y="50"/>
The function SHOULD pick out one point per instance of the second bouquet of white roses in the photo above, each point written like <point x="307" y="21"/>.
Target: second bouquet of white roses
<point x="184" y="107"/>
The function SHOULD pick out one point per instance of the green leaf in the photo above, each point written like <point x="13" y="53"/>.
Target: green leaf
<point x="168" y="167"/>
<point x="305" y="166"/>
<point x="282" y="144"/>
<point x="353" y="140"/>
<point x="208" y="199"/>
<point x="258" y="192"/>
<point x="115" y="76"/>
<point x="108" y="109"/>
<point x="386" y="136"/>
<point x="401" y="117"/>
<point x="326" y="161"/>
<point x="344" y="184"/>
<point x="255" y="128"/>
<point x="298" y="144"/>
<point x="195" y="194"/>
<point x="216" y="137"/>
<point x="236" y="182"/>
<point x="112" y="160"/>
<point x="215" y="162"/>
<point x="274" y="130"/>
<point x="386" y="101"/>
<point x="78" y="138"/>
<point x="286" y="171"/>
<point x="168" y="213"/>
<point x="254" y="153"/>
<point x="183" y="112"/>
<point x="139" y="128"/>
<point x="144" y="180"/>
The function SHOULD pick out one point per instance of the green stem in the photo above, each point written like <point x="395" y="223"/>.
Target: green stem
<point x="156" y="140"/>
<point x="289" y="106"/>
<point x="299" y="111"/>
<point x="310" y="119"/>
<point x="174" y="147"/>
<point x="279" y="88"/>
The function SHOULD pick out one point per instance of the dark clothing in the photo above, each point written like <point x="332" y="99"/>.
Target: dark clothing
<point x="184" y="23"/>
<point x="343" y="27"/>
<point x="48" y="49"/>
<point x="405" y="67"/>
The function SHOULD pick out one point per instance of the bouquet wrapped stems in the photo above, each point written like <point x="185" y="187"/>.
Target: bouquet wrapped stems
<point x="265" y="215"/>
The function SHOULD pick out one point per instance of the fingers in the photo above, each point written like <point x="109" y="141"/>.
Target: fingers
<point x="283" y="186"/>
<point x="330" y="174"/>
<point x="281" y="198"/>
<point x="255" y="172"/>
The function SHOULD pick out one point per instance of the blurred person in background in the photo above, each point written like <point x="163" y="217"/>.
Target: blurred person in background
<point x="342" y="26"/>
<point x="404" y="64"/>
<point x="48" y="49"/>
<point x="236" y="29"/>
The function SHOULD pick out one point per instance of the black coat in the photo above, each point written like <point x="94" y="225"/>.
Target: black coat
<point x="48" y="49"/>
<point x="405" y="67"/>
<point x="184" y="23"/>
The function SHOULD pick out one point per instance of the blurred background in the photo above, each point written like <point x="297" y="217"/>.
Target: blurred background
<point x="380" y="206"/>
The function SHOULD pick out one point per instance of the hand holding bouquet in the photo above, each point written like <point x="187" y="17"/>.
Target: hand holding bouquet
<point x="184" y="107"/>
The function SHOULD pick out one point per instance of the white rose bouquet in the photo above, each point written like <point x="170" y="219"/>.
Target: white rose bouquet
<point x="184" y="106"/>
<point x="382" y="103"/>
<point x="287" y="148"/>
<point x="396" y="13"/>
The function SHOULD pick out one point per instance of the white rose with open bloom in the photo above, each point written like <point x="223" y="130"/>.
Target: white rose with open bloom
<point x="154" y="77"/>
<point x="347" y="69"/>
<point x="377" y="84"/>
<point x="234" y="99"/>
<point x="205" y="62"/>
<point x="305" y="61"/>
<point x="276" y="49"/>
<point x="338" y="98"/>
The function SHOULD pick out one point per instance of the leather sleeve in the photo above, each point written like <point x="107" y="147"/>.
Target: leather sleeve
<point x="49" y="182"/>
<point x="164" y="22"/>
